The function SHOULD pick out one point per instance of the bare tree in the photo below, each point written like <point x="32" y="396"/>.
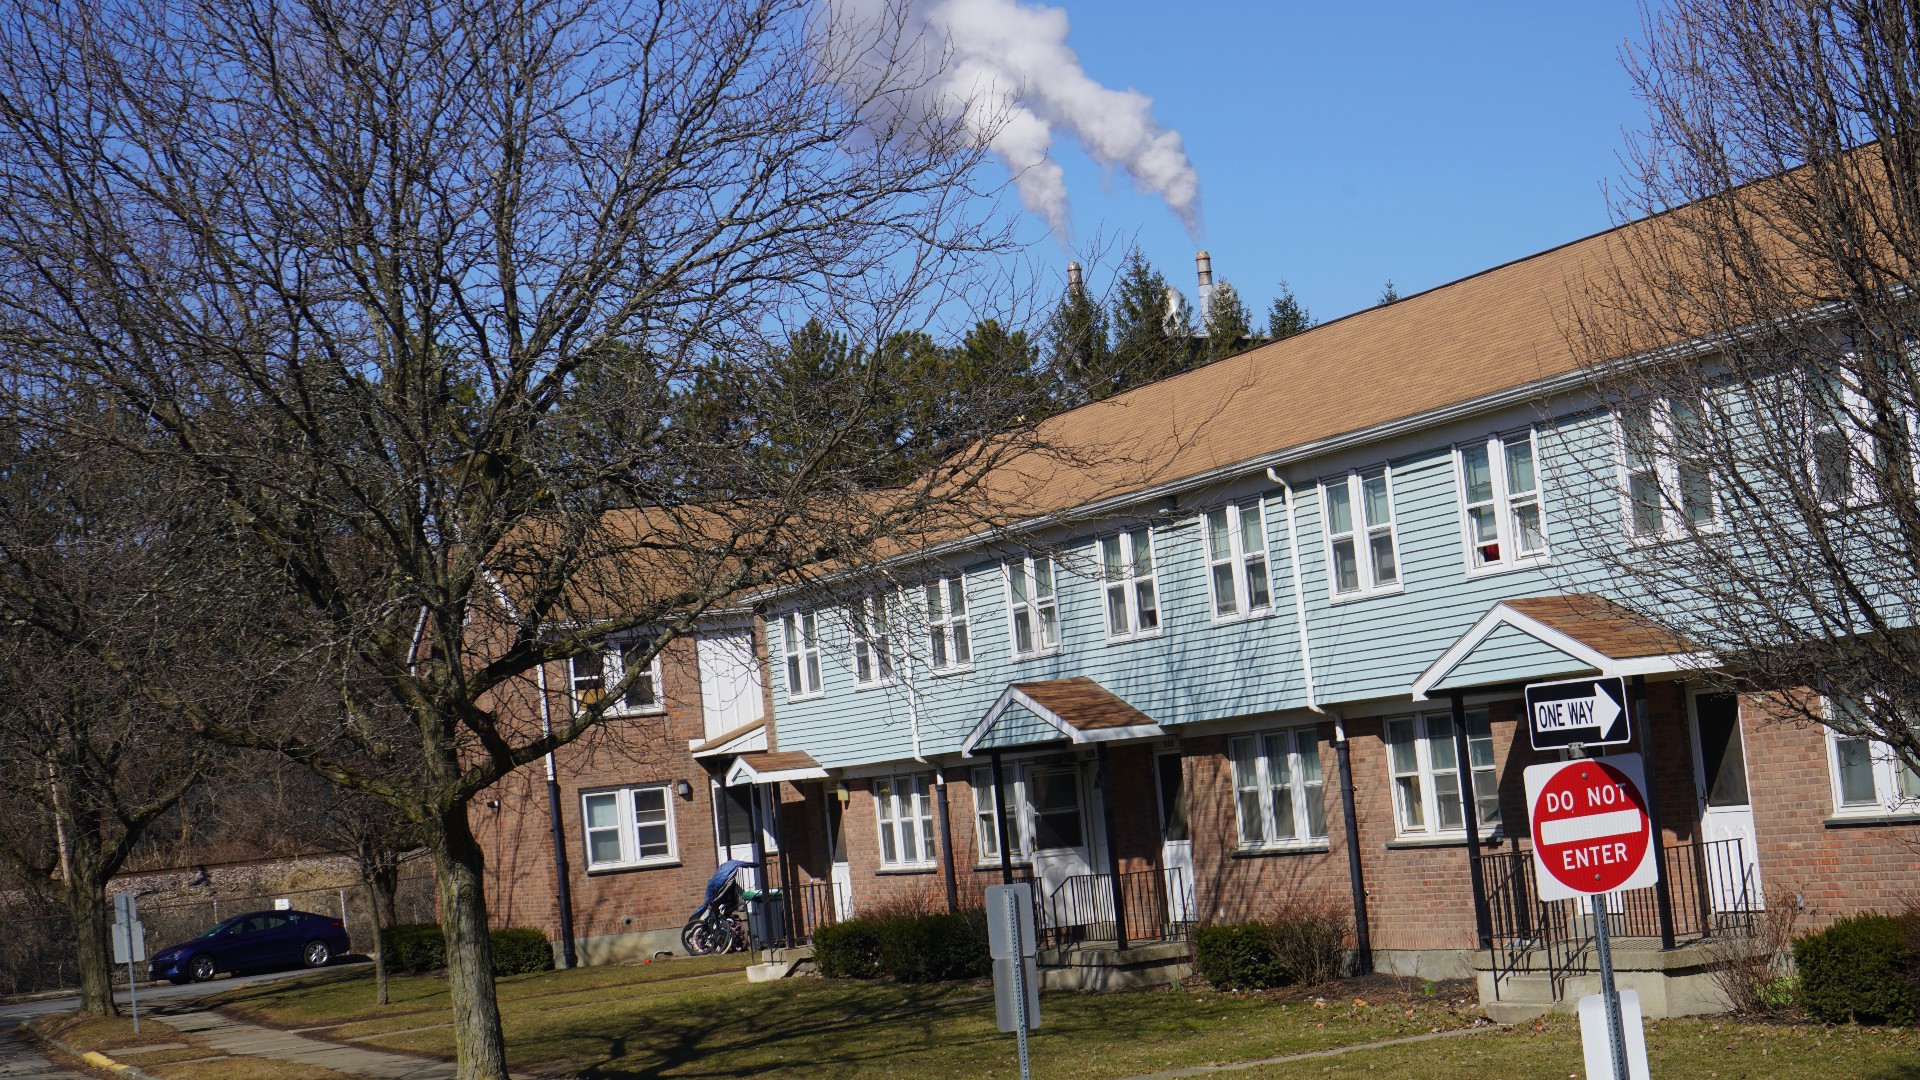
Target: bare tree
<point x="1757" y="335"/>
<point x="469" y="313"/>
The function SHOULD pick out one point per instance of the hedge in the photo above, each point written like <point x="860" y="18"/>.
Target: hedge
<point x="1863" y="968"/>
<point x="1237" y="956"/>
<point x="417" y="948"/>
<point x="908" y="948"/>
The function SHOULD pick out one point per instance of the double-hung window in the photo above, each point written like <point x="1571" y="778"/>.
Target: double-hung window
<point x="1278" y="788"/>
<point x="597" y="670"/>
<point x="800" y="642"/>
<point x="1668" y="484"/>
<point x="1033" y="617"/>
<point x="1360" y="540"/>
<point x="1868" y="777"/>
<point x="948" y="646"/>
<point x="1126" y="567"/>
<point x="986" y="817"/>
<point x="1426" y="773"/>
<point x="630" y="826"/>
<point x="1500" y="491"/>
<point x="906" y="821"/>
<point x="872" y="642"/>
<point x="1237" y="560"/>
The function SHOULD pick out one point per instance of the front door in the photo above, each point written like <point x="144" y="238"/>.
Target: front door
<point x="1176" y="841"/>
<point x="1726" y="814"/>
<point x="841" y="874"/>
<point x="1062" y="858"/>
<point x="737" y="810"/>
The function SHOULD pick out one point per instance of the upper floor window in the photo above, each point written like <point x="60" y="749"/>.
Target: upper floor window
<point x="1278" y="788"/>
<point x="1237" y="559"/>
<point x="1500" y="489"/>
<point x="800" y="642"/>
<point x="906" y="821"/>
<point x="597" y="670"/>
<point x="1669" y="484"/>
<point x="1868" y="776"/>
<point x="948" y="646"/>
<point x="630" y="826"/>
<point x="986" y="816"/>
<point x="1126" y="566"/>
<point x="1033" y="615"/>
<point x="1360" y="540"/>
<point x="872" y="642"/>
<point x="1426" y="773"/>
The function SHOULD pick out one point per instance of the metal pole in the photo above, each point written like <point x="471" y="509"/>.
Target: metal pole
<point x="1470" y="816"/>
<point x="1662" y="895"/>
<point x="1000" y="820"/>
<point x="1616" y="1035"/>
<point x="946" y="843"/>
<point x="343" y="913"/>
<point x="1019" y="985"/>
<point x="1113" y="844"/>
<point x="562" y="872"/>
<point x="1362" y="938"/>
<point x="133" y="982"/>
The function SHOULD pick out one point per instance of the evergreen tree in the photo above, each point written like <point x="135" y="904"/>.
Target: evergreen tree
<point x="1149" y="341"/>
<point x="1229" y="326"/>
<point x="1077" y="343"/>
<point x="1285" y="317"/>
<point x="1389" y="294"/>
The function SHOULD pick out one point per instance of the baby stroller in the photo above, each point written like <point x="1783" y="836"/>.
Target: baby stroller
<point x="716" y="925"/>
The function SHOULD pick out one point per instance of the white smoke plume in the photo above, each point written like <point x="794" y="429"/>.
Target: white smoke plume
<point x="1005" y="68"/>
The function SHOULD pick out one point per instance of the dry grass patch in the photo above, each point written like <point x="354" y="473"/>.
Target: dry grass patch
<point x="250" y="1068"/>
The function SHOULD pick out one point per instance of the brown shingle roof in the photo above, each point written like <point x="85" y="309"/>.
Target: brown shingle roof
<point x="1601" y="624"/>
<point x="767" y="761"/>
<point x="1083" y="703"/>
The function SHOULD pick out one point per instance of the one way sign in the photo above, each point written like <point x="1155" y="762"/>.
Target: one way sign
<point x="1592" y="712"/>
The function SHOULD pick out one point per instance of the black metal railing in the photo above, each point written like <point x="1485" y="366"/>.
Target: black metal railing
<point x="1080" y="910"/>
<point x="809" y="906"/>
<point x="1709" y="883"/>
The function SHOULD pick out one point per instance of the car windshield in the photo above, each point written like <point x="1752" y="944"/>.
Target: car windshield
<point x="225" y="926"/>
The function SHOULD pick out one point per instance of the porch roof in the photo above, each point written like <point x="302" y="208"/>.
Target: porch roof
<point x="773" y="766"/>
<point x="1078" y="710"/>
<point x="744" y="739"/>
<point x="1528" y="639"/>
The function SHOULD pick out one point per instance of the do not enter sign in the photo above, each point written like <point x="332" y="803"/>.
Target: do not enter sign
<point x="1591" y="833"/>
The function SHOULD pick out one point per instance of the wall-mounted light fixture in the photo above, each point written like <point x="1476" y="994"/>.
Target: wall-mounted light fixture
<point x="1167" y="506"/>
<point x="840" y="792"/>
<point x="683" y="789"/>
<point x="493" y="804"/>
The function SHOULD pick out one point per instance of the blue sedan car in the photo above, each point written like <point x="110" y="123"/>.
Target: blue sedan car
<point x="258" y="939"/>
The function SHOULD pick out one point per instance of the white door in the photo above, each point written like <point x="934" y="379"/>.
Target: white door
<point x="734" y="829"/>
<point x="1720" y="771"/>
<point x="841" y="872"/>
<point x="1176" y="841"/>
<point x="730" y="690"/>
<point x="1062" y="856"/>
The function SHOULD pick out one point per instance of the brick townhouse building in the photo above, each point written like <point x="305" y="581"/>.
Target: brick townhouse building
<point x="1279" y="665"/>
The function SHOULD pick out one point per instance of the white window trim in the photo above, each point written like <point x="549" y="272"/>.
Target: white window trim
<point x="613" y="668"/>
<point x="1033" y="606"/>
<point x="1129" y="583"/>
<point x="916" y="811"/>
<point x="793" y="647"/>
<point x="1237" y="557"/>
<point x="1666" y="467"/>
<point x="950" y="620"/>
<point x="1861" y="450"/>
<point x="1303" y="837"/>
<point x="982" y="780"/>
<point x="1354" y="479"/>
<point x="870" y="640"/>
<point x="1886" y="778"/>
<point x="1512" y="558"/>
<point x="630" y="828"/>
<point x="1429" y="793"/>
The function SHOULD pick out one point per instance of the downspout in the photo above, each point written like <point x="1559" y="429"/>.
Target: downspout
<point x="562" y="873"/>
<point x="1342" y="750"/>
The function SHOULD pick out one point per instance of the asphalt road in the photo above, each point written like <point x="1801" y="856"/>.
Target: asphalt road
<point x="11" y="1013"/>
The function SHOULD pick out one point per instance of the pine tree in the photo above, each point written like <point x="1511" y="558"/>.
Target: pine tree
<point x="1286" y="317"/>
<point x="1077" y="345"/>
<point x="1389" y="294"/>
<point x="1229" y="327"/>
<point x="1149" y="340"/>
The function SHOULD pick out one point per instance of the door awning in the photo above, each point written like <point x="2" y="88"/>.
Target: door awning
<point x="773" y="766"/>
<point x="1076" y="710"/>
<point x="1533" y="638"/>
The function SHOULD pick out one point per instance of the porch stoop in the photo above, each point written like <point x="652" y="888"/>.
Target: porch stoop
<point x="1097" y="966"/>
<point x="778" y="963"/>
<point x="1674" y="982"/>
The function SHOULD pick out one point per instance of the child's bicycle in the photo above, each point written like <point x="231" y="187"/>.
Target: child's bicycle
<point x="718" y="925"/>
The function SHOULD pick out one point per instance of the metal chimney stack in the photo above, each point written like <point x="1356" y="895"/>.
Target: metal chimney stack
<point x="1074" y="282"/>
<point x="1203" y="262"/>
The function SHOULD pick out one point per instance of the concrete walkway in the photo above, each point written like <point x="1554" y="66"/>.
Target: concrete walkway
<point x="1334" y="1051"/>
<point x="20" y="1061"/>
<point x="235" y="1037"/>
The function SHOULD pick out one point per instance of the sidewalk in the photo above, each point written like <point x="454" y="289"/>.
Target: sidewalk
<point x="235" y="1037"/>
<point x="20" y="1061"/>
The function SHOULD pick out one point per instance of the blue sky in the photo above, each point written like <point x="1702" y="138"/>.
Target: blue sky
<point x="1340" y="145"/>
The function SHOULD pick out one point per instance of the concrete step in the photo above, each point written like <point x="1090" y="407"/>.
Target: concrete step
<point x="1514" y="1012"/>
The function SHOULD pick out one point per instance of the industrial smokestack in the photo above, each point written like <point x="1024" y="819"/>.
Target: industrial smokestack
<point x="1073" y="277"/>
<point x="1203" y="262"/>
<point x="1173" y="320"/>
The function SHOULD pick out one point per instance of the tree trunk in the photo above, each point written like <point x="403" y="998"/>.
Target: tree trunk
<point x="458" y="866"/>
<point x="87" y="905"/>
<point x="380" y="925"/>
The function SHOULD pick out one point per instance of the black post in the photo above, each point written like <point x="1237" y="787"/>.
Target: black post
<point x="1662" y="895"/>
<point x="1000" y="819"/>
<point x="946" y="842"/>
<point x="725" y="850"/>
<point x="562" y="876"/>
<point x="759" y="852"/>
<point x="786" y="864"/>
<point x="1113" y="844"/>
<point x="1470" y="815"/>
<point x="1356" y="881"/>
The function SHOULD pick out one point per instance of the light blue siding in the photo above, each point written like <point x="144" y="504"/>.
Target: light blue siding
<point x="1510" y="655"/>
<point x="1018" y="725"/>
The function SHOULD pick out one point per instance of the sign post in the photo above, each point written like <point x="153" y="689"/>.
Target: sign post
<point x="1592" y="836"/>
<point x="130" y="947"/>
<point x="1582" y="712"/>
<point x="1012" y="944"/>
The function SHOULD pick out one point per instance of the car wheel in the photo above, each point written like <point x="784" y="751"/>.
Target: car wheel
<point x="202" y="968"/>
<point x="317" y="954"/>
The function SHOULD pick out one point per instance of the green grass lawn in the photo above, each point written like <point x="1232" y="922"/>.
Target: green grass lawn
<point x="700" y="1018"/>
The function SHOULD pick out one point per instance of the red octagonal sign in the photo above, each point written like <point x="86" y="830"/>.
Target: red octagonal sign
<point x="1591" y="833"/>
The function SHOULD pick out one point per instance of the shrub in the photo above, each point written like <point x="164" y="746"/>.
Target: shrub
<point x="932" y="948"/>
<point x="1310" y="943"/>
<point x="1752" y="969"/>
<point x="1863" y="969"/>
<point x="848" y="950"/>
<point x="1237" y="956"/>
<point x="417" y="948"/>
